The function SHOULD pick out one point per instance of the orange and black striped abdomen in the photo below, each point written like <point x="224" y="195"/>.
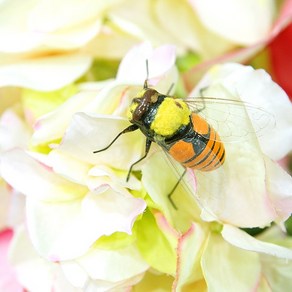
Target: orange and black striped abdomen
<point x="201" y="148"/>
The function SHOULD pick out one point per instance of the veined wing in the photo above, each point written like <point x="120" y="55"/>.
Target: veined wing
<point x="234" y="120"/>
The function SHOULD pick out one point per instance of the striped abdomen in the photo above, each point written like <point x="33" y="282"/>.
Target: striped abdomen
<point x="201" y="149"/>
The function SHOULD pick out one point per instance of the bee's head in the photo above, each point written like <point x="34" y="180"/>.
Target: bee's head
<point x="141" y="103"/>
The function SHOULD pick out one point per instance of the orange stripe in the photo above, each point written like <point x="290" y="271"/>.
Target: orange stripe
<point x="211" y="156"/>
<point x="182" y="151"/>
<point x="205" y="151"/>
<point x="216" y="160"/>
<point x="200" y="125"/>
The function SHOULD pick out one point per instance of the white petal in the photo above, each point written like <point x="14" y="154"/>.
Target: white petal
<point x="64" y="164"/>
<point x="71" y="228"/>
<point x="13" y="131"/>
<point x="224" y="265"/>
<point x="48" y="16"/>
<point x="243" y="22"/>
<point x="88" y="133"/>
<point x="36" y="180"/>
<point x="100" y="173"/>
<point x="236" y="192"/>
<point x="46" y="73"/>
<point x="111" y="43"/>
<point x="33" y="272"/>
<point x="14" y="35"/>
<point x="104" y="270"/>
<point x="106" y="264"/>
<point x="243" y="240"/>
<point x="257" y="88"/>
<point x="103" y="98"/>
<point x="189" y="256"/>
<point x="279" y="186"/>
<point x="52" y="126"/>
<point x="133" y="66"/>
<point x="159" y="177"/>
<point x="43" y="23"/>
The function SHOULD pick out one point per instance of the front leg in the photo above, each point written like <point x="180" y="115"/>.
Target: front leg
<point x="147" y="148"/>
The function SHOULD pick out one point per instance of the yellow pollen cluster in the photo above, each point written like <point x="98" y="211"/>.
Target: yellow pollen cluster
<point x="131" y="109"/>
<point x="171" y="115"/>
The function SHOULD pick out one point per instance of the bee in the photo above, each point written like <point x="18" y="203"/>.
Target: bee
<point x="178" y="128"/>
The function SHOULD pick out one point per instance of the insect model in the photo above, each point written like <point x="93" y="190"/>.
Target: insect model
<point x="177" y="125"/>
<point x="181" y="132"/>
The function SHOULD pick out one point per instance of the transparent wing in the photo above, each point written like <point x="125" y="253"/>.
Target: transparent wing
<point x="191" y="185"/>
<point x="234" y="120"/>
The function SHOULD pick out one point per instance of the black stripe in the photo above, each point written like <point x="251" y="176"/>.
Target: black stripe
<point x="214" y="157"/>
<point x="221" y="158"/>
<point x="207" y="155"/>
<point x="201" y="138"/>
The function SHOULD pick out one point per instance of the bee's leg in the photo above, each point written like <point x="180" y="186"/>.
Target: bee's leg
<point x="147" y="148"/>
<point x="127" y="130"/>
<point x="174" y="188"/>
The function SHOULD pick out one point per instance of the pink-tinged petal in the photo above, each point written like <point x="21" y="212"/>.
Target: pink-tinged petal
<point x="35" y="273"/>
<point x="190" y="247"/>
<point x="8" y="278"/>
<point x="257" y="88"/>
<point x="243" y="172"/>
<point x="279" y="186"/>
<point x="36" y="180"/>
<point x="149" y="233"/>
<point x="235" y="192"/>
<point x="242" y="54"/>
<point x="56" y="72"/>
<point x="88" y="133"/>
<point x="133" y="66"/>
<point x="167" y="229"/>
<point x="243" y="240"/>
<point x="243" y="22"/>
<point x="223" y="264"/>
<point x="71" y="228"/>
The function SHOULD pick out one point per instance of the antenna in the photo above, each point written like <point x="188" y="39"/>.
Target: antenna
<point x="147" y="75"/>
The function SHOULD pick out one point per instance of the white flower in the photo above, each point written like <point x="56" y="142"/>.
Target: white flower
<point x="83" y="215"/>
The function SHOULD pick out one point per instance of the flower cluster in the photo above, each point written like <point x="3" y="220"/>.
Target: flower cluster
<point x="69" y="219"/>
<point x="93" y="230"/>
<point x="54" y="43"/>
